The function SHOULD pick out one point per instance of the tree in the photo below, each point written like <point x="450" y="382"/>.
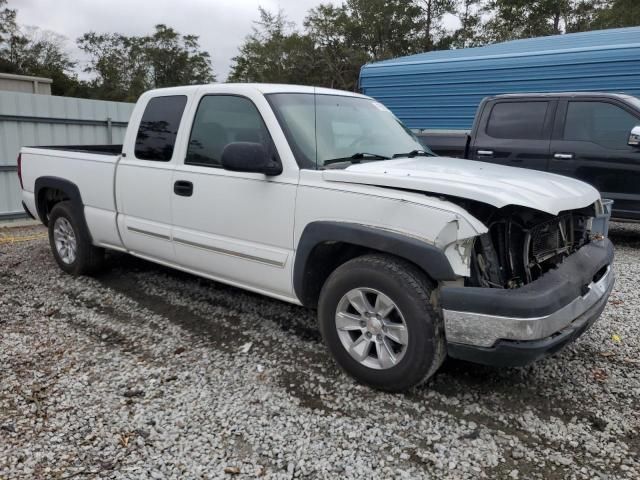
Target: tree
<point x="511" y="19"/>
<point x="330" y="28"/>
<point x="7" y="20"/>
<point x="433" y="11"/>
<point x="41" y="52"/>
<point x="36" y="52"/>
<point x="615" y="14"/>
<point x="262" y="54"/>
<point x="470" y="33"/>
<point x="10" y="38"/>
<point x="124" y="67"/>
<point x="583" y="14"/>
<point x="273" y="52"/>
<point x="117" y="64"/>
<point x="176" y="59"/>
<point x="384" y="28"/>
<point x="336" y="42"/>
<point x="361" y="31"/>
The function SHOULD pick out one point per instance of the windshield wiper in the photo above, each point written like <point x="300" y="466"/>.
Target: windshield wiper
<point x="356" y="157"/>
<point x="415" y="153"/>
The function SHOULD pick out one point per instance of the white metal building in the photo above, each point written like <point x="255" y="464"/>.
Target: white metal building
<point x="28" y="119"/>
<point x="24" y="84"/>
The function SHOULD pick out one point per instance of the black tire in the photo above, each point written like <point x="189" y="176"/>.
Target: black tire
<point x="410" y="289"/>
<point x="88" y="259"/>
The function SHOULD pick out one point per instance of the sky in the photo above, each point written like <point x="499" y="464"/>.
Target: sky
<point x="221" y="24"/>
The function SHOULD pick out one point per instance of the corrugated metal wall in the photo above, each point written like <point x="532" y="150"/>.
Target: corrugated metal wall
<point x="441" y="90"/>
<point x="32" y="120"/>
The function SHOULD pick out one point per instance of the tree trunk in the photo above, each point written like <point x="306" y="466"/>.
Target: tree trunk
<point x="429" y="20"/>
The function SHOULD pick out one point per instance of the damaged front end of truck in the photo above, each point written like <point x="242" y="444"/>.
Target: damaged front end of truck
<point x="536" y="282"/>
<point x="536" y="273"/>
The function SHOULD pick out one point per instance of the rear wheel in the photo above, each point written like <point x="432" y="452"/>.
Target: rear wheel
<point x="376" y="317"/>
<point x="70" y="242"/>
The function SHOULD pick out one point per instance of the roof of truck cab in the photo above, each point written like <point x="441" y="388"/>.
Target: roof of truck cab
<point x="264" y="88"/>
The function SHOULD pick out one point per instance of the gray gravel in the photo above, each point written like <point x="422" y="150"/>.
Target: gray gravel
<point x="144" y="372"/>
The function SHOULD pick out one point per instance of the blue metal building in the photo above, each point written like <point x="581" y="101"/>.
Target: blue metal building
<point x="442" y="89"/>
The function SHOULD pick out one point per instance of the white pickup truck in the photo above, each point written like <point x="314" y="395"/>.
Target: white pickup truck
<point x="323" y="198"/>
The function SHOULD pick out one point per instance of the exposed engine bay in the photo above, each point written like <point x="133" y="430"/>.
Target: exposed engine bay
<point x="521" y="245"/>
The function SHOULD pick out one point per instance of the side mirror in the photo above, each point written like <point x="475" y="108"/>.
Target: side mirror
<point x="249" y="157"/>
<point x="634" y="137"/>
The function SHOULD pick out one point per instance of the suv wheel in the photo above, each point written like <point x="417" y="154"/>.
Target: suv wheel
<point x="376" y="317"/>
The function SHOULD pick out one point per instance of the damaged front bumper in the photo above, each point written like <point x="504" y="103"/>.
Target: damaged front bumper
<point x="514" y="327"/>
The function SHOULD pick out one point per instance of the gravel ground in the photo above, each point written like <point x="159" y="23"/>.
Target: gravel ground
<point x="144" y="372"/>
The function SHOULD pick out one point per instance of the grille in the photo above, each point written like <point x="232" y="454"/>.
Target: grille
<point x="551" y="238"/>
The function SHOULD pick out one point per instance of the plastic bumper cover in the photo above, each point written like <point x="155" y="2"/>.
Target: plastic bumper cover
<point x="516" y="327"/>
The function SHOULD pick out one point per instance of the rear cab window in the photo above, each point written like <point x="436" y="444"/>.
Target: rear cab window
<point x="158" y="129"/>
<point x="518" y="120"/>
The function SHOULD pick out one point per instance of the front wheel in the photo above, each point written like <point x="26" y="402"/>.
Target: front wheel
<point x="376" y="317"/>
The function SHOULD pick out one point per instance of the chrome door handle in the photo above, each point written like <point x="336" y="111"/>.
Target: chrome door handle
<point x="485" y="153"/>
<point x="563" y="156"/>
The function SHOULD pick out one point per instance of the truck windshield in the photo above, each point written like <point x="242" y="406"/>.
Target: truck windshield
<point x="333" y="131"/>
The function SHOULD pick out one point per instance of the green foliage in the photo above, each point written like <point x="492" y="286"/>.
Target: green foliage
<point x="435" y="36"/>
<point x="525" y="18"/>
<point x="384" y="28"/>
<point x="333" y="44"/>
<point x="8" y="33"/>
<point x="338" y="60"/>
<point x="116" y="62"/>
<point x="31" y="51"/>
<point x="619" y="13"/>
<point x="175" y="59"/>
<point x="511" y="19"/>
<point x="337" y="41"/>
<point x="471" y="32"/>
<point x="584" y="14"/>
<point x="274" y="53"/>
<point x="41" y="53"/>
<point x="124" y="67"/>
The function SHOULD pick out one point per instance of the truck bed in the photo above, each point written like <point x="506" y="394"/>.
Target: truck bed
<point x="90" y="168"/>
<point x="99" y="149"/>
<point x="446" y="143"/>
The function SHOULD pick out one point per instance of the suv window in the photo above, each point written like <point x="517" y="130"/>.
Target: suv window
<point x="518" y="120"/>
<point x="159" y="128"/>
<point x="599" y="122"/>
<point x="220" y="120"/>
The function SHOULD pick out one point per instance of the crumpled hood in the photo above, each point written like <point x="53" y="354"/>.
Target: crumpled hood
<point x="496" y="185"/>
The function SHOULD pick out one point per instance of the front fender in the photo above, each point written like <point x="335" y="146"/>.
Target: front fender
<point x="428" y="257"/>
